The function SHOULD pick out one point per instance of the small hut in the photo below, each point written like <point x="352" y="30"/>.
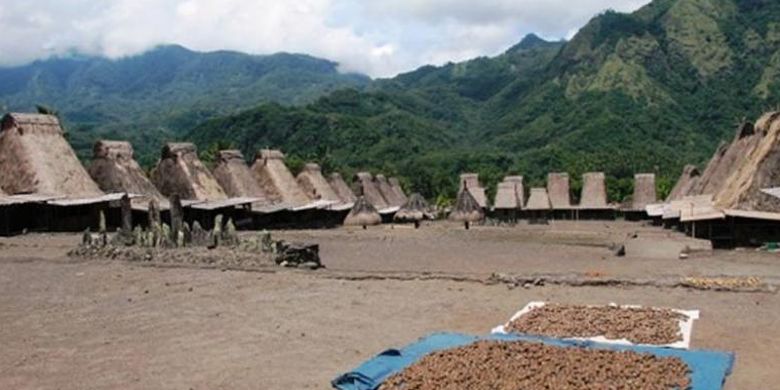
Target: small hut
<point x="509" y="200"/>
<point x="276" y="179"/>
<point x="115" y="170"/>
<point x="315" y="186"/>
<point x="414" y="210"/>
<point x="593" y="199"/>
<point x="388" y="193"/>
<point x="367" y="188"/>
<point x="644" y="195"/>
<point x="341" y="188"/>
<point x="559" y="191"/>
<point x="538" y="208"/>
<point x="685" y="183"/>
<point x="180" y="172"/>
<point x="471" y="182"/>
<point x="363" y="214"/>
<point x="398" y="190"/>
<point x="466" y="209"/>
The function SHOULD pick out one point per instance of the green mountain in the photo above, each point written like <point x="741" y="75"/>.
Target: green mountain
<point x="156" y="95"/>
<point x="647" y="91"/>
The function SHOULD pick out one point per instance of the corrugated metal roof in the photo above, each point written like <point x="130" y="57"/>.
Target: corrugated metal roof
<point x="753" y="214"/>
<point x="222" y="204"/>
<point x="68" y="202"/>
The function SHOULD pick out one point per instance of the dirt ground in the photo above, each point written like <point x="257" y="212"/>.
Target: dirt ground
<point x="69" y="324"/>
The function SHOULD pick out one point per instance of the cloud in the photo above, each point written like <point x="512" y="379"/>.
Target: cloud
<point x="377" y="37"/>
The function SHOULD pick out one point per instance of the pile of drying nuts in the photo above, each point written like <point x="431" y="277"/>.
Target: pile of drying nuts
<point x="637" y="325"/>
<point x="500" y="365"/>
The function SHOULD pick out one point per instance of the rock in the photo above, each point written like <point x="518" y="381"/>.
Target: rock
<point x="619" y="251"/>
<point x="310" y="265"/>
<point x="297" y="253"/>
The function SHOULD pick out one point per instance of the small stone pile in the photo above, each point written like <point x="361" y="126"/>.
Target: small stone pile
<point x="179" y="244"/>
<point x="524" y="365"/>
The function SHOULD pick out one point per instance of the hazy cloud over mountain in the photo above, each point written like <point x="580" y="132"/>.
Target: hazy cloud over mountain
<point x="377" y="37"/>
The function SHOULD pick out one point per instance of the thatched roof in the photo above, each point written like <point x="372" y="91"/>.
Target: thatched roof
<point x="722" y="164"/>
<point x="314" y="184"/>
<point x="685" y="185"/>
<point x="538" y="200"/>
<point x="558" y="190"/>
<point x="363" y="213"/>
<point x="506" y="197"/>
<point x="466" y="208"/>
<point x="115" y="170"/>
<point x="471" y="181"/>
<point x="594" y="191"/>
<point x="276" y="179"/>
<point x="398" y="190"/>
<point x="390" y="195"/>
<point x="758" y="169"/>
<point x="644" y="191"/>
<point x="367" y="187"/>
<point x="235" y="177"/>
<point x="35" y="158"/>
<point x="414" y="209"/>
<point x="341" y="188"/>
<point x="180" y="172"/>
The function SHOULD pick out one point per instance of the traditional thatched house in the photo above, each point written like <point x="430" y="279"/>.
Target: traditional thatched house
<point x="471" y="182"/>
<point x="35" y="158"/>
<point x="509" y="199"/>
<point x="727" y="157"/>
<point x="685" y="185"/>
<point x="40" y="169"/>
<point x="180" y="172"/>
<point x="593" y="199"/>
<point x="466" y="209"/>
<point x="363" y="214"/>
<point x="538" y="208"/>
<point x="368" y="189"/>
<point x="398" y="190"/>
<point x="388" y="193"/>
<point x="276" y="179"/>
<point x="236" y="179"/>
<point x="315" y="186"/>
<point x="115" y="170"/>
<point x="341" y="188"/>
<point x="560" y="195"/>
<point x="644" y="195"/>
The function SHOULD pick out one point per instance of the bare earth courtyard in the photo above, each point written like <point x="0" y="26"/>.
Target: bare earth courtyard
<point x="67" y="324"/>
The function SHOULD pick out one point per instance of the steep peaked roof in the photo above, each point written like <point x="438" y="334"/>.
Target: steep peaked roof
<point x="594" y="191"/>
<point x="558" y="190"/>
<point x="115" y="170"/>
<point x="234" y="176"/>
<point x="35" y="158"/>
<point x="180" y="172"/>
<point x="276" y="179"/>
<point x="538" y="200"/>
<point x="314" y="184"/>
<point x="341" y="188"/>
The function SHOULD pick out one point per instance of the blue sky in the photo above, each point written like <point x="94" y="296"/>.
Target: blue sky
<point x="378" y="37"/>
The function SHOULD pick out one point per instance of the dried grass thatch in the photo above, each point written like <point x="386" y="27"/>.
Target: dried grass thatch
<point x="506" y="197"/>
<point x="559" y="191"/>
<point x="759" y="169"/>
<point x="36" y="158"/>
<point x="466" y="208"/>
<point x="276" y="180"/>
<point x="471" y="181"/>
<point x="724" y="161"/>
<point x="115" y="170"/>
<point x="314" y="184"/>
<point x="520" y="186"/>
<point x="538" y="200"/>
<point x="235" y="177"/>
<point x="367" y="188"/>
<point x="413" y="210"/>
<point x="180" y="172"/>
<point x="390" y="195"/>
<point x="363" y="213"/>
<point x="341" y="188"/>
<point x="398" y="190"/>
<point x="685" y="185"/>
<point x="594" y="191"/>
<point x="644" y="191"/>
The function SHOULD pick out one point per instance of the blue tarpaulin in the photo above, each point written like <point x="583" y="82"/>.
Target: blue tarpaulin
<point x="709" y="369"/>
